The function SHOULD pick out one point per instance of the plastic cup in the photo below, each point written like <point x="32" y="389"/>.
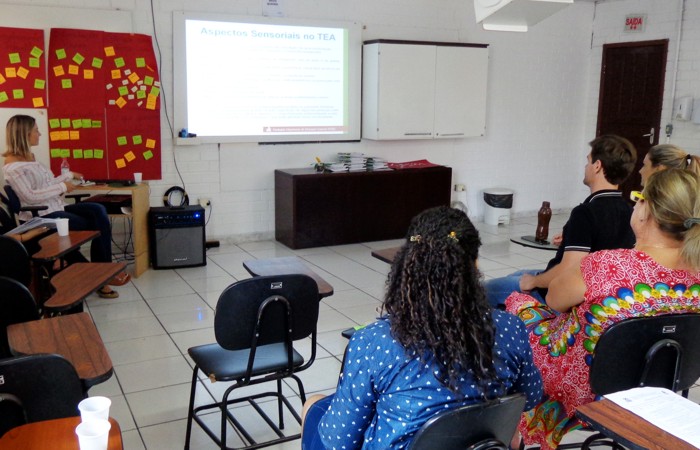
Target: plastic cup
<point x="138" y="177"/>
<point x="62" y="227"/>
<point x="93" y="434"/>
<point x="96" y="407"/>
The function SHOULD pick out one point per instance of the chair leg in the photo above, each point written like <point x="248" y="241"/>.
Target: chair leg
<point x="190" y="411"/>
<point x="279" y="404"/>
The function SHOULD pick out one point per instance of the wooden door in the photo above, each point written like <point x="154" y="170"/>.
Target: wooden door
<point x="631" y="96"/>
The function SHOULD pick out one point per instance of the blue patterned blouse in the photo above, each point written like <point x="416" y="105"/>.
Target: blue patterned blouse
<point x="384" y="395"/>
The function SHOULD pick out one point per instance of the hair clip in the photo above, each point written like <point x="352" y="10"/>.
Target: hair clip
<point x="688" y="160"/>
<point x="415" y="238"/>
<point x="453" y="236"/>
<point x="688" y="223"/>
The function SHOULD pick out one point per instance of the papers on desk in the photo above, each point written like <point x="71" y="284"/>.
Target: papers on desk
<point x="665" y="409"/>
<point x="34" y="222"/>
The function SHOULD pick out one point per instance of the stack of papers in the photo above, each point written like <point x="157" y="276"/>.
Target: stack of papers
<point x="34" y="222"/>
<point x="374" y="163"/>
<point x="336" y="167"/>
<point x="354" y="162"/>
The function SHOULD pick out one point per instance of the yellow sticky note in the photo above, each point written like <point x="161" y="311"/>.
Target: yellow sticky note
<point x="150" y="143"/>
<point x="73" y="69"/>
<point x="74" y="135"/>
<point x="109" y="51"/>
<point x="77" y="123"/>
<point x="147" y="155"/>
<point x="121" y="102"/>
<point x="119" y="62"/>
<point x="55" y="152"/>
<point x="34" y="63"/>
<point x="17" y="94"/>
<point x="10" y="72"/>
<point x="15" y="58"/>
<point x="97" y="62"/>
<point x="121" y="140"/>
<point x="39" y="84"/>
<point x="38" y="102"/>
<point x="66" y="83"/>
<point x="3" y="97"/>
<point x="87" y="154"/>
<point x="2" y="79"/>
<point x="116" y="73"/>
<point x="22" y="73"/>
<point x="58" y="71"/>
<point x="64" y="135"/>
<point x="78" y="153"/>
<point x="148" y="80"/>
<point x="78" y="58"/>
<point x="61" y="53"/>
<point x="65" y="123"/>
<point x="129" y="156"/>
<point x="120" y="163"/>
<point x="54" y="123"/>
<point x="88" y="74"/>
<point x="36" y="52"/>
<point x="98" y="153"/>
<point x="137" y="140"/>
<point x="55" y="135"/>
<point x="87" y="123"/>
<point x="134" y="77"/>
<point x="151" y="102"/>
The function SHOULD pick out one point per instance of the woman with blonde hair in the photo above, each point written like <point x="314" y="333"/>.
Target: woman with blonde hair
<point x="660" y="275"/>
<point x="667" y="156"/>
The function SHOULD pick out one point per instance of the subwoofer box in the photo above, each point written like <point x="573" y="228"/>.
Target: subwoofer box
<point x="177" y="237"/>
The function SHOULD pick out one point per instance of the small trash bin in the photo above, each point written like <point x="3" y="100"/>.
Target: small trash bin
<point x="498" y="202"/>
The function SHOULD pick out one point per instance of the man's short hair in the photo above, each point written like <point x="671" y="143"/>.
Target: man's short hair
<point x="616" y="154"/>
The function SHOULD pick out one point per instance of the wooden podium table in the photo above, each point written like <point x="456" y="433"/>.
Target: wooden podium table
<point x="56" y="434"/>
<point x="286" y="266"/>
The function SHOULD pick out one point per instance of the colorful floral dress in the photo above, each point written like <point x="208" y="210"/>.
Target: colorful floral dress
<point x="619" y="284"/>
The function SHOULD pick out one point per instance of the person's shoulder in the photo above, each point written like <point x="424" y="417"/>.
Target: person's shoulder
<point x="378" y="329"/>
<point x="504" y="321"/>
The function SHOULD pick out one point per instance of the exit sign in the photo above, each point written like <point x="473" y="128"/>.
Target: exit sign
<point x="635" y="23"/>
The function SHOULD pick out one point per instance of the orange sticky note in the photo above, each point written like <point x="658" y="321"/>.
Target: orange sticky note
<point x="116" y="73"/>
<point x="38" y="102"/>
<point x="151" y="102"/>
<point x="121" y="102"/>
<point x="58" y="71"/>
<point x="109" y="51"/>
<point x="10" y="72"/>
<point x="64" y="135"/>
<point x="73" y="69"/>
<point x="74" y="135"/>
<point x="129" y="156"/>
<point x="120" y="163"/>
<point x="2" y="79"/>
<point x="134" y="77"/>
<point x="88" y="74"/>
<point x="55" y="135"/>
<point x="22" y="73"/>
<point x="150" y="143"/>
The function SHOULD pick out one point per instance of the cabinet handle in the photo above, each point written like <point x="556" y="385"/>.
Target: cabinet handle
<point x="450" y="134"/>
<point x="650" y="135"/>
<point x="418" y="134"/>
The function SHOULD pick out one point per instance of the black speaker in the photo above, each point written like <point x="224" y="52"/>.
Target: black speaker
<point x="177" y="237"/>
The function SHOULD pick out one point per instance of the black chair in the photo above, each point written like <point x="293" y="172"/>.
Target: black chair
<point x="481" y="426"/>
<point x="15" y="262"/>
<point x="38" y="387"/>
<point x="15" y="205"/>
<point x="256" y="323"/>
<point x="660" y="351"/>
<point x="17" y="306"/>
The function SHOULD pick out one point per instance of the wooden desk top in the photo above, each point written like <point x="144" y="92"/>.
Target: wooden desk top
<point x="528" y="241"/>
<point x="386" y="254"/>
<point x="54" y="247"/>
<point x="74" y="283"/>
<point x="628" y="428"/>
<point x="286" y="266"/>
<point x="72" y="336"/>
<point x="57" y="434"/>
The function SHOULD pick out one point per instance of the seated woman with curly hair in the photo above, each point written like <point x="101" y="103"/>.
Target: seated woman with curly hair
<point x="439" y="346"/>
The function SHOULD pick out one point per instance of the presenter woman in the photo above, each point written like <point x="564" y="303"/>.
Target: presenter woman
<point x="35" y="185"/>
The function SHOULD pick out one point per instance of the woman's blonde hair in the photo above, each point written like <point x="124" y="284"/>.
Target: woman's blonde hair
<point x="673" y="198"/>
<point x="17" y="133"/>
<point x="673" y="157"/>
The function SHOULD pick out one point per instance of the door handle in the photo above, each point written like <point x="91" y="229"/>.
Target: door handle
<point x="650" y="135"/>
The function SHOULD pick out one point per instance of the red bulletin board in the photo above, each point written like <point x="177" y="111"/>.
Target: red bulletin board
<point x="22" y="68"/>
<point x="133" y="140"/>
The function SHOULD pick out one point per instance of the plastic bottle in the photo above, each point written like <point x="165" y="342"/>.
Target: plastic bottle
<point x="65" y="167"/>
<point x="543" y="216"/>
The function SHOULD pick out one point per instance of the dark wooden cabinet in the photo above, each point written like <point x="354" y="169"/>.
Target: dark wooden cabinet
<point x="317" y="209"/>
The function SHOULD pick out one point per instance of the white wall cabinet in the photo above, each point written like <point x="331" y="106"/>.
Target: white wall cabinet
<point x="421" y="90"/>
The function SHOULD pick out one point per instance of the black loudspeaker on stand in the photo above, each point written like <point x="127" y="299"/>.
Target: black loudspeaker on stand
<point x="177" y="237"/>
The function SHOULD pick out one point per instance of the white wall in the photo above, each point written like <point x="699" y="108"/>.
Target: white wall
<point x="542" y="102"/>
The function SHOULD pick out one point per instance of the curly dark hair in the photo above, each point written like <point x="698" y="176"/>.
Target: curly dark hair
<point x="435" y="302"/>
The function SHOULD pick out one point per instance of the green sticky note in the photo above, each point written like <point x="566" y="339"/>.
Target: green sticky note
<point x="55" y="152"/>
<point x="119" y="62"/>
<point x="61" y="53"/>
<point x="148" y="154"/>
<point x="15" y="58"/>
<point x="65" y="123"/>
<point x="39" y="84"/>
<point x="65" y="153"/>
<point x="36" y="52"/>
<point x="155" y="91"/>
<point x="54" y="123"/>
<point x="87" y="154"/>
<point x="34" y="62"/>
<point x="78" y="58"/>
<point x="77" y="123"/>
<point x="121" y="140"/>
<point x="97" y="63"/>
<point x="140" y="94"/>
<point x="140" y="62"/>
<point x="87" y="123"/>
<point x="98" y="154"/>
<point x="78" y="153"/>
<point x="123" y="90"/>
<point x="66" y="83"/>
<point x="137" y="139"/>
<point x="148" y="80"/>
<point x="17" y="94"/>
<point x="3" y="97"/>
<point x="96" y="124"/>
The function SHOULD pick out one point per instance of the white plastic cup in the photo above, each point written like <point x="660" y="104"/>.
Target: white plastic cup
<point x="138" y="177"/>
<point x="93" y="434"/>
<point x="96" y="407"/>
<point x="62" y="227"/>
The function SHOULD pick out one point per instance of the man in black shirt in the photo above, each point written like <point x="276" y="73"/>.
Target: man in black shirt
<point x="601" y="222"/>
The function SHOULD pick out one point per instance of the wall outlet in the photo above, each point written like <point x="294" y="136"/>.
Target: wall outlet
<point x="203" y="201"/>
<point x="460" y="188"/>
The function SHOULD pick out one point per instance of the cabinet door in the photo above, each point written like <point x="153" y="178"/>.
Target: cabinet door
<point x="460" y="91"/>
<point x="406" y="93"/>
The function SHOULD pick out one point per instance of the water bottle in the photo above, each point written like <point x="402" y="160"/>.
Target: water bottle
<point x="65" y="167"/>
<point x="543" y="216"/>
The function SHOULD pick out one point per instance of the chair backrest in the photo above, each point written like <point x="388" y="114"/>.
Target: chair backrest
<point x="14" y="260"/>
<point x="13" y="201"/>
<point x="660" y="351"/>
<point x="260" y="303"/>
<point x="46" y="386"/>
<point x="480" y="426"/>
<point x="16" y="306"/>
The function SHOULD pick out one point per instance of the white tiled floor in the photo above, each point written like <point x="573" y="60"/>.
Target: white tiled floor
<point x="158" y="316"/>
